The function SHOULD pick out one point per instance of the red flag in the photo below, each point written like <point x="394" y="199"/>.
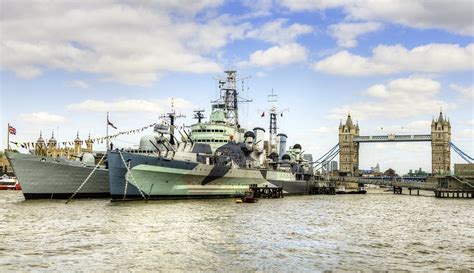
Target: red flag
<point x="11" y="130"/>
<point x="262" y="115"/>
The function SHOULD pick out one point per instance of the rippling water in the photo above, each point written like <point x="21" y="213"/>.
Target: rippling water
<point x="306" y="233"/>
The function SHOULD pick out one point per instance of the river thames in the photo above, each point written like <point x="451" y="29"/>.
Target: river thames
<point x="376" y="231"/>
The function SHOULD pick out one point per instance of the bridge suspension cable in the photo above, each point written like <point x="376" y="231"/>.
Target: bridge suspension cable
<point x="462" y="154"/>
<point x="329" y="158"/>
<point x="325" y="155"/>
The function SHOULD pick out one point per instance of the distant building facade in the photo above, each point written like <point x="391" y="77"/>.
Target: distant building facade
<point x="331" y="166"/>
<point x="5" y="167"/>
<point x="375" y="169"/>
<point x="465" y="169"/>
<point x="52" y="149"/>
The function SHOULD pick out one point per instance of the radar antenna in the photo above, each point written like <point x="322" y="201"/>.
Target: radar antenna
<point x="198" y="114"/>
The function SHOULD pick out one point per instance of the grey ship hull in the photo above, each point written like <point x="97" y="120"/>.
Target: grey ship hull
<point x="119" y="188"/>
<point x="48" y="178"/>
<point x="117" y="173"/>
<point x="298" y="187"/>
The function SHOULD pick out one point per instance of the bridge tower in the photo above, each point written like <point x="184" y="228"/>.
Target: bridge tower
<point x="440" y="148"/>
<point x="348" y="149"/>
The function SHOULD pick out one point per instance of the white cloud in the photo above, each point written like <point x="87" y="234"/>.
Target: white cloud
<point x="453" y="16"/>
<point x="41" y="118"/>
<point x="396" y="59"/>
<point x="27" y="72"/>
<point x="261" y="74"/>
<point x="324" y="130"/>
<point x="439" y="14"/>
<point x="347" y="33"/>
<point x="465" y="91"/>
<point x="119" y="41"/>
<point x="311" y="5"/>
<point x="464" y="134"/>
<point x="258" y="7"/>
<point x="78" y="84"/>
<point x="285" y="51"/>
<point x="400" y="98"/>
<point x="275" y="32"/>
<point x="413" y="127"/>
<point x="278" y="55"/>
<point x="155" y="106"/>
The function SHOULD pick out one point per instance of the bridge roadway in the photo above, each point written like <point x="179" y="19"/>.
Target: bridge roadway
<point x="421" y="184"/>
<point x="392" y="138"/>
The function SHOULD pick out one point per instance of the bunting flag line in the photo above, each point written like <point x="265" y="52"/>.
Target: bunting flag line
<point x="98" y="140"/>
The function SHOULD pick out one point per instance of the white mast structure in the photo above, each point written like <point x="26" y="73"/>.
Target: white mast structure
<point x="229" y="100"/>
<point x="273" y="129"/>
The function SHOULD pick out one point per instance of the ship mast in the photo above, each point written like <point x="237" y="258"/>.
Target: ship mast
<point x="171" y="118"/>
<point x="273" y="129"/>
<point x="230" y="99"/>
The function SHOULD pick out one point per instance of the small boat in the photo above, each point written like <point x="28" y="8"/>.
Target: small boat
<point x="248" y="198"/>
<point x="342" y="190"/>
<point x="9" y="183"/>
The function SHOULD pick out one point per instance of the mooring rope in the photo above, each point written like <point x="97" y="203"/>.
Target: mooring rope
<point x="87" y="179"/>
<point x="131" y="175"/>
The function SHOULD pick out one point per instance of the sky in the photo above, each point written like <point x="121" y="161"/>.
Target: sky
<point x="392" y="64"/>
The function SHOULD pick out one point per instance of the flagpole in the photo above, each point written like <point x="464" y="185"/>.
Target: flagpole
<point x="8" y="137"/>
<point x="107" y="134"/>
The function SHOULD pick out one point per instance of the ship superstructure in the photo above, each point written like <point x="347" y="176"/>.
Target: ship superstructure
<point x="164" y="149"/>
<point x="223" y="125"/>
<point x="217" y="158"/>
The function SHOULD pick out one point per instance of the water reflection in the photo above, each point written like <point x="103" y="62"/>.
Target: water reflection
<point x="374" y="231"/>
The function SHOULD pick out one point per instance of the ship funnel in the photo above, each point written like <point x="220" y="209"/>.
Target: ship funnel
<point x="297" y="151"/>
<point x="259" y="136"/>
<point x="249" y="137"/>
<point x="281" y="144"/>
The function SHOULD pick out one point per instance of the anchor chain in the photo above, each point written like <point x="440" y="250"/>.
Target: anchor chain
<point x="131" y="175"/>
<point x="87" y="179"/>
<point x="126" y="180"/>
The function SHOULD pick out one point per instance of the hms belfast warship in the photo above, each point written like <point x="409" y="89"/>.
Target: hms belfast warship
<point x="221" y="160"/>
<point x="55" y="173"/>
<point x="165" y="150"/>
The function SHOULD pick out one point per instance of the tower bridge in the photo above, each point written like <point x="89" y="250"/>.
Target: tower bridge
<point x="440" y="138"/>
<point x="392" y="138"/>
